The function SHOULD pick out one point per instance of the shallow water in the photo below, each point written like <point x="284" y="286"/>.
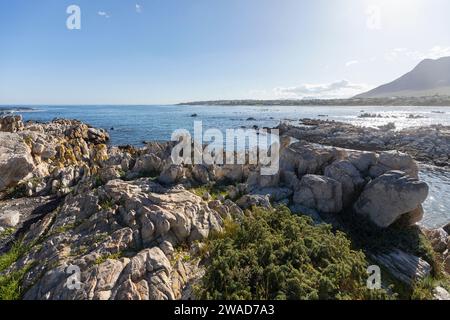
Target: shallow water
<point x="437" y="205"/>
<point x="135" y="124"/>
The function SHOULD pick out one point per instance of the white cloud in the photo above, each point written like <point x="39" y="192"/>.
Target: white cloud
<point x="337" y="89"/>
<point x="405" y="53"/>
<point x="103" y="14"/>
<point x="351" y="62"/>
<point x="138" y="8"/>
<point x="438" y="52"/>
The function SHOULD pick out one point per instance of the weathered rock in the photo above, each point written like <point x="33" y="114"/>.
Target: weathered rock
<point x="438" y="239"/>
<point x="11" y="123"/>
<point x="394" y="160"/>
<point x="447" y="228"/>
<point x="148" y="163"/>
<point x="171" y="174"/>
<point x="403" y="266"/>
<point x="349" y="177"/>
<point x="200" y="173"/>
<point x="97" y="136"/>
<point x="275" y="194"/>
<point x="440" y="293"/>
<point x="108" y="173"/>
<point x="307" y="158"/>
<point x="9" y="218"/>
<point x="427" y="144"/>
<point x="16" y="162"/>
<point x="388" y="197"/>
<point x="447" y="264"/>
<point x="250" y="200"/>
<point x="319" y="193"/>
<point x="231" y="173"/>
<point x="363" y="160"/>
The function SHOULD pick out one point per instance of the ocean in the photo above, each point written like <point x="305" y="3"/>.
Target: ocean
<point x="136" y="124"/>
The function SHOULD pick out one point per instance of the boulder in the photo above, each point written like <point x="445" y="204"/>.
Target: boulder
<point x="148" y="163"/>
<point x="97" y="136"/>
<point x="438" y="239"/>
<point x="350" y="178"/>
<point x="11" y="123"/>
<point x="200" y="173"/>
<point x="275" y="194"/>
<point x="447" y="228"/>
<point x="320" y="193"/>
<point x="229" y="172"/>
<point x="363" y="160"/>
<point x="388" y="197"/>
<point x="250" y="200"/>
<point x="440" y="293"/>
<point x="171" y="174"/>
<point x="16" y="162"/>
<point x="307" y="158"/>
<point x="395" y="160"/>
<point x="9" y="218"/>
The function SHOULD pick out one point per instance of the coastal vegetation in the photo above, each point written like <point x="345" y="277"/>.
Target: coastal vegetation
<point x="274" y="254"/>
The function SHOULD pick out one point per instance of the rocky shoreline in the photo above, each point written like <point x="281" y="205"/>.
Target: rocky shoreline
<point x="128" y="217"/>
<point x="430" y="144"/>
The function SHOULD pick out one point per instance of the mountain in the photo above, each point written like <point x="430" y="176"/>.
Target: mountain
<point x="430" y="77"/>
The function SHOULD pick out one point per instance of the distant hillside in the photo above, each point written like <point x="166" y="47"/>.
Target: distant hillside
<point x="431" y="100"/>
<point x="428" y="78"/>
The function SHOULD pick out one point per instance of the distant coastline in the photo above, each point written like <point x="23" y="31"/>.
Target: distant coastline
<point x="5" y="110"/>
<point x="441" y="101"/>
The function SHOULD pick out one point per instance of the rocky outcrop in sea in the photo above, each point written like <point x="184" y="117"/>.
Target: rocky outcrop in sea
<point x="132" y="222"/>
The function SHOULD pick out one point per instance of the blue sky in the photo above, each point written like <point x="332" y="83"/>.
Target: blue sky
<point x="168" y="51"/>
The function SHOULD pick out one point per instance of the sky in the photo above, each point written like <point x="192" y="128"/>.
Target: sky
<point x="170" y="51"/>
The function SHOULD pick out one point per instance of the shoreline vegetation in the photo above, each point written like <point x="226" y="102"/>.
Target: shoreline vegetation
<point x="140" y="227"/>
<point x="432" y="101"/>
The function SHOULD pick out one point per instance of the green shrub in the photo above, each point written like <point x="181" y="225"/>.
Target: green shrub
<point x="17" y="191"/>
<point x="6" y="233"/>
<point x="8" y="258"/>
<point x="274" y="254"/>
<point x="214" y="191"/>
<point x="11" y="284"/>
<point x="107" y="204"/>
<point x="112" y="256"/>
<point x="370" y="238"/>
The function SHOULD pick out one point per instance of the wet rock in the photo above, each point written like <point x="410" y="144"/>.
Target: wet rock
<point x="447" y="228"/>
<point x="97" y="136"/>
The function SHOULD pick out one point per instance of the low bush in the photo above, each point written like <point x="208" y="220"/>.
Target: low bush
<point x="273" y="254"/>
